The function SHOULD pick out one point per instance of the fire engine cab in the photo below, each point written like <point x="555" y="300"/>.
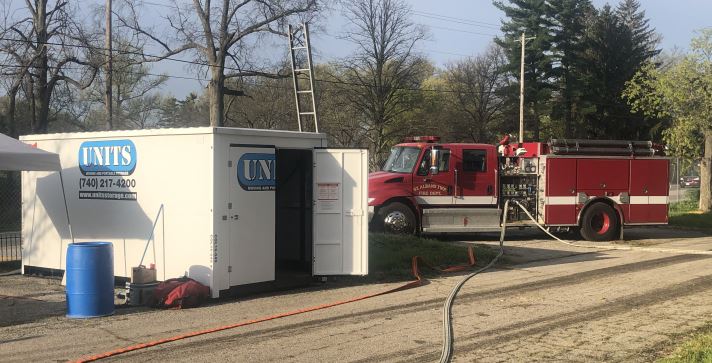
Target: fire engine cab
<point x="592" y="186"/>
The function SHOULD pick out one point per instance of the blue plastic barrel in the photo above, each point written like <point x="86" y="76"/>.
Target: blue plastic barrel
<point x="90" y="279"/>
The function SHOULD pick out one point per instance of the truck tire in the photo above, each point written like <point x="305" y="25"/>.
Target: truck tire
<point x="396" y="218"/>
<point x="599" y="223"/>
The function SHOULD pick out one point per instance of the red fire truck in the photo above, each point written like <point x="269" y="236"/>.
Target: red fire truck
<point x="592" y="186"/>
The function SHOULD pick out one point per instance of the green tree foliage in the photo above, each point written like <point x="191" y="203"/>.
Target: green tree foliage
<point x="189" y="112"/>
<point x="683" y="92"/>
<point x="618" y="43"/>
<point x="576" y="68"/>
<point x="532" y="17"/>
<point x="569" y="24"/>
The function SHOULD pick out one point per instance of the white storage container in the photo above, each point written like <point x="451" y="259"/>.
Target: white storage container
<point x="241" y="206"/>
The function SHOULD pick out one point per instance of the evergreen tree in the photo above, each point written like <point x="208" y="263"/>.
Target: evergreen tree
<point x="606" y="74"/>
<point x="532" y="17"/>
<point x="618" y="43"/>
<point x="569" y="19"/>
<point x="645" y="39"/>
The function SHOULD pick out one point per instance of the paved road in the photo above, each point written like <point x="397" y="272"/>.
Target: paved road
<point x="552" y="302"/>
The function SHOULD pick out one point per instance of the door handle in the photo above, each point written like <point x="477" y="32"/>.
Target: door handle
<point x="427" y="180"/>
<point x="489" y="190"/>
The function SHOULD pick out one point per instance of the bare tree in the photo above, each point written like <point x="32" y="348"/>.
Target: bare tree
<point x="60" y="50"/>
<point x="340" y="119"/>
<point x="383" y="68"/>
<point x="222" y="37"/>
<point x="263" y="103"/>
<point x="16" y="56"/>
<point x="133" y="86"/>
<point x="473" y="84"/>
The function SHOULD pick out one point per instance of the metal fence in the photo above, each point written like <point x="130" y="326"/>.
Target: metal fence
<point x="680" y="170"/>
<point x="10" y="216"/>
<point x="10" y="246"/>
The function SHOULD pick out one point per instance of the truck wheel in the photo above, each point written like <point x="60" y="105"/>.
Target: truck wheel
<point x="396" y="218"/>
<point x="599" y="223"/>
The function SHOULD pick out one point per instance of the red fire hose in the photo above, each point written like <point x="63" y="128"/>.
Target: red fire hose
<point x="417" y="282"/>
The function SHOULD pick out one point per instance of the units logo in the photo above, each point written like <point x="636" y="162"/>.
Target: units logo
<point x="255" y="171"/>
<point x="107" y="158"/>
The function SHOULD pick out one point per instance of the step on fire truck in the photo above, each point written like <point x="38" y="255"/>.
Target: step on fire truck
<point x="592" y="186"/>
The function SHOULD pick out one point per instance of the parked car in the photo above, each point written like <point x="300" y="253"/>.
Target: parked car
<point x="690" y="182"/>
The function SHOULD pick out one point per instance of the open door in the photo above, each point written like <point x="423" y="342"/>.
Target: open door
<point x="340" y="212"/>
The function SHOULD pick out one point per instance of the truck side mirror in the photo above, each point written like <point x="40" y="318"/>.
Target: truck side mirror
<point x="434" y="161"/>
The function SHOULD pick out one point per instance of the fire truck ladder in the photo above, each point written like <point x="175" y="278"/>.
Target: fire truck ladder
<point x="302" y="65"/>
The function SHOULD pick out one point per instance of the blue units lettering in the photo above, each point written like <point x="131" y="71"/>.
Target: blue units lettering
<point x="110" y="157"/>
<point x="256" y="172"/>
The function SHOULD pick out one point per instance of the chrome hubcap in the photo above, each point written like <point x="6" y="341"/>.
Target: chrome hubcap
<point x="396" y="221"/>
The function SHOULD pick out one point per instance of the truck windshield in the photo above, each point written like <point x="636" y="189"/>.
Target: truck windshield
<point x="402" y="159"/>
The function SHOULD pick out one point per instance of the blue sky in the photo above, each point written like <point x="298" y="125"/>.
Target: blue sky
<point x="459" y="28"/>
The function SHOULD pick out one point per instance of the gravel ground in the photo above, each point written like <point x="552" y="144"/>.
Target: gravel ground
<point x="550" y="302"/>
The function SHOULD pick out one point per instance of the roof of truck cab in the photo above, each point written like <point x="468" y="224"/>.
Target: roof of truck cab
<point x="461" y="144"/>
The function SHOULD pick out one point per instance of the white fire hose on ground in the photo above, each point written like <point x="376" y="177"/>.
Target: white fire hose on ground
<point x="446" y="353"/>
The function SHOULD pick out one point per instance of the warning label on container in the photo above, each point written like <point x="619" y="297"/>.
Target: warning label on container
<point x="328" y="195"/>
<point x="328" y="191"/>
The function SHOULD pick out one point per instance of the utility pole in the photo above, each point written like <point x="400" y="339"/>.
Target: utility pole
<point x="523" y="40"/>
<point x="109" y="69"/>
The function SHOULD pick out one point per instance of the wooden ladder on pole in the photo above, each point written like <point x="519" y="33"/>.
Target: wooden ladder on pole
<point x="302" y="65"/>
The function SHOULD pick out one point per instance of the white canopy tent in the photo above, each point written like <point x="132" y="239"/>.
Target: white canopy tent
<point x="16" y="155"/>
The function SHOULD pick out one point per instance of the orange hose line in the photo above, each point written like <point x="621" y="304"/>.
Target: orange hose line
<point x="417" y="282"/>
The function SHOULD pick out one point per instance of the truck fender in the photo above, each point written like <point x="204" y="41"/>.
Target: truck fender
<point x="407" y="200"/>
<point x="608" y="201"/>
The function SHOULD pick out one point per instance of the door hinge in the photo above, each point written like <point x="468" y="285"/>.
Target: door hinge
<point x="229" y="206"/>
<point x="214" y="248"/>
<point x="229" y="163"/>
<point x="229" y="269"/>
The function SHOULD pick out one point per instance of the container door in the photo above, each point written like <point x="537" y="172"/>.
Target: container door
<point x="251" y="214"/>
<point x="340" y="212"/>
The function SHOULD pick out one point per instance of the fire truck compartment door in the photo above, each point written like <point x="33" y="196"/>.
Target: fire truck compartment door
<point x="340" y="212"/>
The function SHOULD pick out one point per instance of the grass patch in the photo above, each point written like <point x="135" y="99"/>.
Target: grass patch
<point x="686" y="213"/>
<point x="696" y="349"/>
<point x="390" y="255"/>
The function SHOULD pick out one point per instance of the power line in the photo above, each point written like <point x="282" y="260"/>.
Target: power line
<point x="445" y="91"/>
<point x="229" y="68"/>
<point x="426" y="13"/>
<point x="442" y="18"/>
<point x="460" y="30"/>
